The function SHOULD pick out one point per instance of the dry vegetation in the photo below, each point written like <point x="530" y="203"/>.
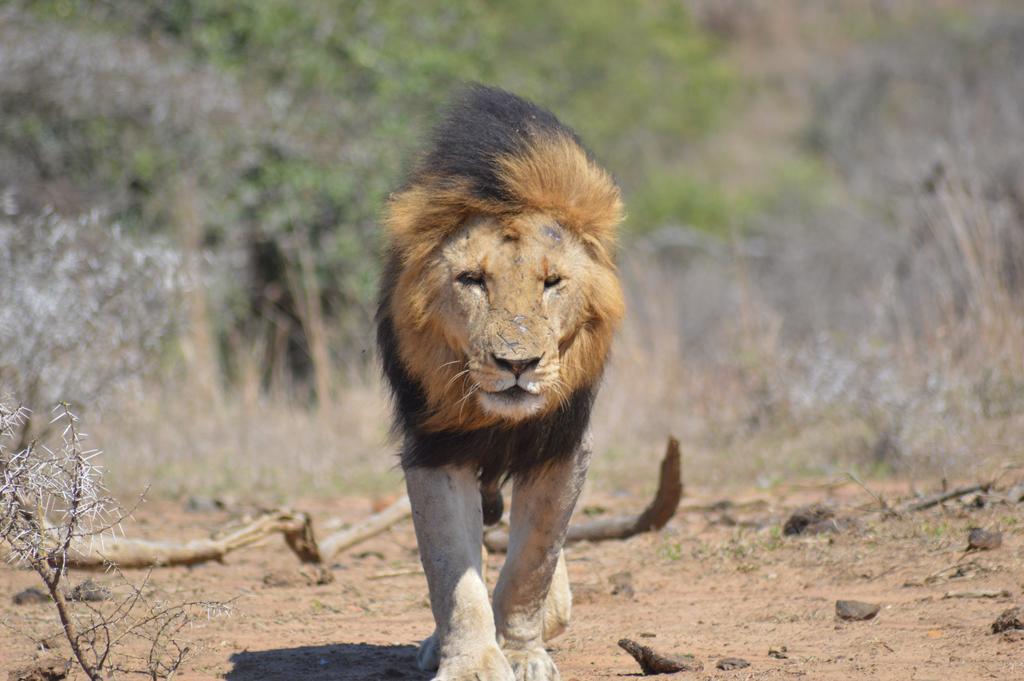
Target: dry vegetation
<point x="866" y="315"/>
<point x="828" y="280"/>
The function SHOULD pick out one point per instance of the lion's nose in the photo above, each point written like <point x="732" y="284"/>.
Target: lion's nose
<point x="518" y="367"/>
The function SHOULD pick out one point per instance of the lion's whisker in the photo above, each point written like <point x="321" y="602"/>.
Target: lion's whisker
<point x="472" y="390"/>
<point x="455" y="378"/>
<point x="559" y="388"/>
<point x="462" y="403"/>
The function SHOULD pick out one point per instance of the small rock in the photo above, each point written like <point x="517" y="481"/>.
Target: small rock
<point x="46" y="669"/>
<point x="779" y="653"/>
<point x="730" y="663"/>
<point x="652" y="662"/>
<point x="856" y="611"/>
<point x="31" y="596"/>
<point x="1010" y="620"/>
<point x="805" y="516"/>
<point x="89" y="591"/>
<point x="622" y="584"/>
<point x="983" y="540"/>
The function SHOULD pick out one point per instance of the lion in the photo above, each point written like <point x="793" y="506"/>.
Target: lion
<point x="498" y="305"/>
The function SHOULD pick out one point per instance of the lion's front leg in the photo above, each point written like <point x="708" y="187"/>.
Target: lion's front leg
<point x="447" y="516"/>
<point x="541" y="507"/>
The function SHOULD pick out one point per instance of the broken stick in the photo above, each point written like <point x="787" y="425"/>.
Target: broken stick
<point x="295" y="527"/>
<point x="337" y="542"/>
<point x="654" y="517"/>
<point x="94" y="553"/>
<point x="937" y="499"/>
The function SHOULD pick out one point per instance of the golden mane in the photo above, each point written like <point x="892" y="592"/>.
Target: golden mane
<point x="543" y="169"/>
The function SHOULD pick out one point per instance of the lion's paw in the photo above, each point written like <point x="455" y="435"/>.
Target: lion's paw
<point x="532" y="664"/>
<point x="487" y="665"/>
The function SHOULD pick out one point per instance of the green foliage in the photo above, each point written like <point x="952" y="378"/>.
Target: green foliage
<point x="334" y="98"/>
<point x="687" y="199"/>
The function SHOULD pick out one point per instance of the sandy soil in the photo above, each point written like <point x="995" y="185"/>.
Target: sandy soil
<point x="714" y="583"/>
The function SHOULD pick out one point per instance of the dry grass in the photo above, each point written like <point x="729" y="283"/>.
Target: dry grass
<point x="876" y="327"/>
<point x="265" y="448"/>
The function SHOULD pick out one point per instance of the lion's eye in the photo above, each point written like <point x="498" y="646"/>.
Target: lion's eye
<point x="471" y="279"/>
<point x="552" y="281"/>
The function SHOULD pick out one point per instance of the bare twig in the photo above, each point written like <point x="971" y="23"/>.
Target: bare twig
<point x="882" y="504"/>
<point x="937" y="499"/>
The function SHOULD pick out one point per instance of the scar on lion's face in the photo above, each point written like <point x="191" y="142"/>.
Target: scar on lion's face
<point x="513" y="297"/>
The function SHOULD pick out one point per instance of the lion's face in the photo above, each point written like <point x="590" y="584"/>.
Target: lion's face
<point x="501" y="295"/>
<point x="513" y="297"/>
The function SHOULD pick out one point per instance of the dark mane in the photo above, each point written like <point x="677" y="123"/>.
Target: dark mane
<point x="484" y="124"/>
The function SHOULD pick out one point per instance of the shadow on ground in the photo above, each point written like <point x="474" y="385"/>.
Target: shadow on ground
<point x="338" y="662"/>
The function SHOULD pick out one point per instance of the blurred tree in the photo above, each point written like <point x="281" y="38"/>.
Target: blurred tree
<point x="296" y="119"/>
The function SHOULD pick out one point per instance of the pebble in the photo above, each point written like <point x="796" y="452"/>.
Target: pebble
<point x="984" y="540"/>
<point x="1010" y="620"/>
<point x="856" y="611"/>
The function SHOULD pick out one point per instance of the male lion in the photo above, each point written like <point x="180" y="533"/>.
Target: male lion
<point x="497" y="309"/>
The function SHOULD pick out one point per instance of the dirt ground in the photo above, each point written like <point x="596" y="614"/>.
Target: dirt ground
<point x="717" y="582"/>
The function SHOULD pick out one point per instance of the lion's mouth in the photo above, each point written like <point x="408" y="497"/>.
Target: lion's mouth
<point x="512" y="394"/>
<point x="514" y="403"/>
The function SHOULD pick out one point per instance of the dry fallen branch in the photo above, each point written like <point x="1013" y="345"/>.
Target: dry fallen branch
<point x="337" y="542"/>
<point x="652" y="662"/>
<point x="296" y="528"/>
<point x="123" y="552"/>
<point x="654" y="517"/>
